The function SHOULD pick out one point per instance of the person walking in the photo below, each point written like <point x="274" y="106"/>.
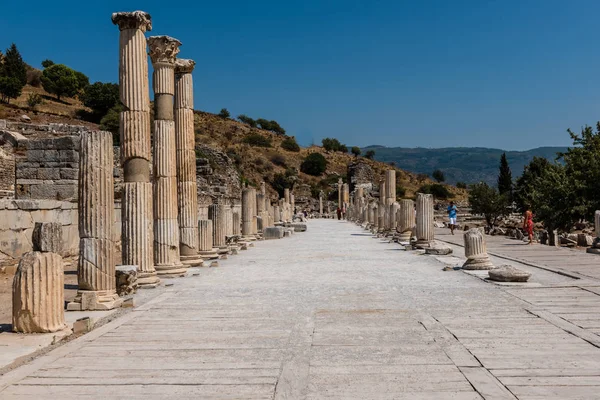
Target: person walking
<point x="452" y="210"/>
<point x="339" y="213"/>
<point x="528" y="224"/>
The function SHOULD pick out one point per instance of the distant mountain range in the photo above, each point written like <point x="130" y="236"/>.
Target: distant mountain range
<point x="460" y="164"/>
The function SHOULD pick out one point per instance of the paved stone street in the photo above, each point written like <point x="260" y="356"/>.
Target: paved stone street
<point x="333" y="313"/>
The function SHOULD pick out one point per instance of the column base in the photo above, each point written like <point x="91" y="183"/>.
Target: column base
<point x="405" y="236"/>
<point x="169" y="271"/>
<point x="147" y="280"/>
<point x="95" y="300"/>
<point x="209" y="255"/>
<point x="422" y="244"/>
<point x="480" y="262"/>
<point x="192" y="261"/>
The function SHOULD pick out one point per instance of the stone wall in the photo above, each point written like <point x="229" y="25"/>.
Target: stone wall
<point x="48" y="169"/>
<point x="7" y="172"/>
<point x="360" y="174"/>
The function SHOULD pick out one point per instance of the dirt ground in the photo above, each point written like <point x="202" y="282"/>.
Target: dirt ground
<point x="6" y="292"/>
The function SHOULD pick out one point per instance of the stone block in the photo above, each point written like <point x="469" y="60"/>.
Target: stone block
<point x="48" y="174"/>
<point x="274" y="232"/>
<point x="508" y="273"/>
<point x="47" y="237"/>
<point x="129" y="303"/>
<point x="126" y="276"/>
<point x="53" y="191"/>
<point x="69" y="173"/>
<point x="299" y="227"/>
<point x="26" y="173"/>
<point x="68" y="156"/>
<point x="83" y="325"/>
<point x="38" y="294"/>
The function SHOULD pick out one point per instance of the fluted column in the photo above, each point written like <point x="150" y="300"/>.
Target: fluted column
<point x="321" y="194"/>
<point x="393" y="210"/>
<point x="476" y="251"/>
<point x="381" y="213"/>
<point x="276" y="213"/>
<point x="96" y="269"/>
<point x="424" y="220"/>
<point x="217" y="215"/>
<point x="163" y="50"/>
<point x="187" y="188"/>
<point x="205" y="240"/>
<point x="246" y="213"/>
<point x="390" y="196"/>
<point x="134" y="126"/>
<point x="340" y="193"/>
<point x="406" y="219"/>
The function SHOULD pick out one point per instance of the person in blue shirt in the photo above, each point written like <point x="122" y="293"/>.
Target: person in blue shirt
<point x="452" y="216"/>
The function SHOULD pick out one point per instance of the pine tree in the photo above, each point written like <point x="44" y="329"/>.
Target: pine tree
<point x="14" y="66"/>
<point x="505" y="184"/>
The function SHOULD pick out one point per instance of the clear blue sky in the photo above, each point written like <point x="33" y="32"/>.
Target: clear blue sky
<point x="512" y="74"/>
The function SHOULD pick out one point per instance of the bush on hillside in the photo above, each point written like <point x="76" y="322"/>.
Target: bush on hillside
<point x="438" y="191"/>
<point x="270" y="126"/>
<point x="110" y="122"/>
<point x="283" y="181"/>
<point x="34" y="78"/>
<point x="461" y="185"/>
<point x="356" y="151"/>
<point x="100" y="97"/>
<point x="400" y="191"/>
<point x="370" y="154"/>
<point x="257" y="140"/>
<point x="279" y="160"/>
<point x="438" y="175"/>
<point x="290" y="144"/>
<point x="10" y="88"/>
<point x="332" y="144"/>
<point x="62" y="81"/>
<point x="247" y="120"/>
<point x="224" y="113"/>
<point x="34" y="100"/>
<point x="314" y="164"/>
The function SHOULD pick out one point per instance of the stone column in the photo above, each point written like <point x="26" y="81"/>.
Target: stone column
<point x="321" y="204"/>
<point x="187" y="188"/>
<point x="595" y="249"/>
<point x="96" y="269"/>
<point x="390" y="196"/>
<point x="262" y="220"/>
<point x="205" y="240"/>
<point x="217" y="216"/>
<point x="406" y="219"/>
<point x="136" y="203"/>
<point x="424" y="220"/>
<point x="237" y="223"/>
<point x="475" y="250"/>
<point x="394" y="209"/>
<point x="340" y="193"/>
<point x="163" y="50"/>
<point x="276" y="213"/>
<point x="254" y="212"/>
<point x="246" y="214"/>
<point x="381" y="213"/>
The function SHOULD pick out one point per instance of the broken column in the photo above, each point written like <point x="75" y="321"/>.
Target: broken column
<point x="595" y="249"/>
<point x="187" y="188"/>
<point x="406" y="219"/>
<point x="205" y="240"/>
<point x="38" y="293"/>
<point x="96" y="277"/>
<point x="134" y="126"/>
<point x="476" y="251"/>
<point x="163" y="50"/>
<point x="424" y="221"/>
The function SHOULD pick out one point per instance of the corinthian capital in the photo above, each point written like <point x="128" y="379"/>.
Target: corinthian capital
<point x="183" y="66"/>
<point x="163" y="49"/>
<point x="133" y="20"/>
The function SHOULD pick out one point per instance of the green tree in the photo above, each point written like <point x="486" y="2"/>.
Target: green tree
<point x="247" y="120"/>
<point x="264" y="124"/>
<point x="34" y="100"/>
<point x="60" y="80"/>
<point x="47" y="63"/>
<point x="370" y="154"/>
<point x="82" y="80"/>
<point x="290" y="144"/>
<point x="257" y="140"/>
<point x="332" y="144"/>
<point x="275" y="127"/>
<point x="14" y="66"/>
<point x="110" y="123"/>
<point x="283" y="181"/>
<point x="224" y="113"/>
<point x="314" y="164"/>
<point x="487" y="201"/>
<point x="505" y="184"/>
<point x="461" y="185"/>
<point x="438" y="175"/>
<point x="10" y="88"/>
<point x="356" y="151"/>
<point x="438" y="191"/>
<point x="100" y="97"/>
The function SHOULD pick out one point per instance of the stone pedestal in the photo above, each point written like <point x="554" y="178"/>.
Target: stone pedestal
<point x="163" y="50"/>
<point x="97" y="253"/>
<point x="38" y="294"/>
<point x="406" y="220"/>
<point x="595" y="249"/>
<point x="187" y="188"/>
<point x="137" y="231"/>
<point x="424" y="221"/>
<point x="475" y="251"/>
<point x="205" y="240"/>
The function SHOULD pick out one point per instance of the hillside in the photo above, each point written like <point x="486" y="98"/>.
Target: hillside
<point x="253" y="163"/>
<point x="460" y="164"/>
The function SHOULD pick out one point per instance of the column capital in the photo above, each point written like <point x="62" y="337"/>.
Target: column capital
<point x="184" y="66"/>
<point x="163" y="49"/>
<point x="133" y="20"/>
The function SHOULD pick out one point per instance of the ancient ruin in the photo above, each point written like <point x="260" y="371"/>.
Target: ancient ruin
<point x="475" y="251"/>
<point x="424" y="229"/>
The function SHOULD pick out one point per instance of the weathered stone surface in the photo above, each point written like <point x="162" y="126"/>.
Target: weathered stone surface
<point x="424" y="220"/>
<point x="273" y="232"/>
<point x="126" y="277"/>
<point x="47" y="237"/>
<point x="508" y="273"/>
<point x="38" y="294"/>
<point x="476" y="251"/>
<point x="438" y="249"/>
<point x="299" y="227"/>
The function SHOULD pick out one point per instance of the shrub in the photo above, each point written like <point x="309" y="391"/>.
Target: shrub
<point x="34" y="100"/>
<point x="400" y="191"/>
<point x="290" y="144"/>
<point x="314" y="164"/>
<point x="47" y="63"/>
<point x="247" y="120"/>
<point x="438" y="175"/>
<point x="110" y="122"/>
<point x="461" y="185"/>
<point x="257" y="140"/>
<point x="370" y="154"/>
<point x="34" y="77"/>
<point x="100" y="97"/>
<point x="279" y="160"/>
<point x="355" y="150"/>
<point x="438" y="191"/>
<point x="10" y="88"/>
<point x="224" y="113"/>
<point x="332" y="144"/>
<point x="270" y="126"/>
